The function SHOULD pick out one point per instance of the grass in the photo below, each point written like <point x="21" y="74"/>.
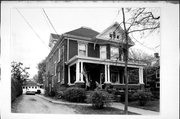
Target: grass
<point x="107" y="110"/>
<point x="151" y="105"/>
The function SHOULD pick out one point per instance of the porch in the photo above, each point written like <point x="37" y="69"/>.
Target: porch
<point x="91" y="72"/>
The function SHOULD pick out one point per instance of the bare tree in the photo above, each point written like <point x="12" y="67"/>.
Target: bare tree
<point x="143" y="21"/>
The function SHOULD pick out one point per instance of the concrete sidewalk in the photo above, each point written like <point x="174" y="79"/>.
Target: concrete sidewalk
<point x="114" y="104"/>
<point x="135" y="110"/>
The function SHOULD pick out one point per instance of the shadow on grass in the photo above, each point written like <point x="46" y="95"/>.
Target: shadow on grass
<point x="105" y="110"/>
<point x="151" y="105"/>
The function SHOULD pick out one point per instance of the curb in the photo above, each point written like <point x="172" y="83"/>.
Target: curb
<point x="64" y="103"/>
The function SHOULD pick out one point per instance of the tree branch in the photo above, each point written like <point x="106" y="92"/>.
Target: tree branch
<point x="144" y="29"/>
<point x="135" y="18"/>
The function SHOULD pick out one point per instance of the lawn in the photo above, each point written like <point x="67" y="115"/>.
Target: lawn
<point x="107" y="110"/>
<point x="151" y="105"/>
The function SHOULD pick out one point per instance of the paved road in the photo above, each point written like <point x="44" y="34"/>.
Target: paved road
<point x="35" y="104"/>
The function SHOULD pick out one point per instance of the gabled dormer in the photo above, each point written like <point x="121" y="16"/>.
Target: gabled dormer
<point x="113" y="34"/>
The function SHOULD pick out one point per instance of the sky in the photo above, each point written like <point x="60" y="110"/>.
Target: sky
<point x="29" y="44"/>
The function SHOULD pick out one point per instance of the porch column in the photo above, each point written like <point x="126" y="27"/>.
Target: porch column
<point x="81" y="72"/>
<point x="108" y="79"/>
<point x="105" y="72"/>
<point x="141" y="75"/>
<point x="69" y="78"/>
<point x="77" y="72"/>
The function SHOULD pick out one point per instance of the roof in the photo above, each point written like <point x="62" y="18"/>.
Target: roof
<point x="30" y="83"/>
<point x="55" y="36"/>
<point x="83" y="32"/>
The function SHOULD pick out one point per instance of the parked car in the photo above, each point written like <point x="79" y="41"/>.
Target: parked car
<point x="30" y="92"/>
<point x="38" y="92"/>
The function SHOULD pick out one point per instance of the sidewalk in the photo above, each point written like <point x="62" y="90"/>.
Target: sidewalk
<point x="114" y="104"/>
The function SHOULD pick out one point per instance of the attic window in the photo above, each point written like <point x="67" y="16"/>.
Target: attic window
<point x="117" y="36"/>
<point x="110" y="35"/>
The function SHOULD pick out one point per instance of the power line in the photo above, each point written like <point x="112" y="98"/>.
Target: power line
<point x="143" y="44"/>
<point x="49" y="20"/>
<point x="31" y="28"/>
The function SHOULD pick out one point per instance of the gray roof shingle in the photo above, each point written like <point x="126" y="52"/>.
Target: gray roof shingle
<point x="83" y="32"/>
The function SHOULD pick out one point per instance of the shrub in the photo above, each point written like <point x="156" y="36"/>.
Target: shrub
<point x="59" y="90"/>
<point x="142" y="96"/>
<point x="74" y="94"/>
<point x="16" y="89"/>
<point x="51" y="93"/>
<point x="99" y="99"/>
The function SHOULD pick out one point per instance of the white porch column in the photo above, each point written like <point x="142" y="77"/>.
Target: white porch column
<point x="141" y="75"/>
<point x="105" y="73"/>
<point x="81" y="71"/>
<point x="108" y="72"/>
<point x="69" y="78"/>
<point x="77" y="71"/>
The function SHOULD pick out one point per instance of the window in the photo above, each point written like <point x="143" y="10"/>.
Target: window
<point x="114" y="77"/>
<point x="59" y="54"/>
<point x="157" y="73"/>
<point x="157" y="84"/>
<point x="55" y="68"/>
<point x="114" y="53"/>
<point x="59" y="76"/>
<point x="82" y="49"/>
<point x="103" y="52"/>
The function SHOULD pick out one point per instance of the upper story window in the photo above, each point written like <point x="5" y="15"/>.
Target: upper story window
<point x="103" y="52"/>
<point x="114" y="53"/>
<point x="61" y="53"/>
<point x="82" y="49"/>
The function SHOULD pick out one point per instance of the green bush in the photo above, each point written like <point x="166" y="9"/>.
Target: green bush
<point x="99" y="99"/>
<point x="74" y="94"/>
<point x="142" y="96"/>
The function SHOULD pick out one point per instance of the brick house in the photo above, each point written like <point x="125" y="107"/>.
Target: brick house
<point x="85" y="57"/>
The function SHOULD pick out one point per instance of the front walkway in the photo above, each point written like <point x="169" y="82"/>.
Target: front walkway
<point x="114" y="104"/>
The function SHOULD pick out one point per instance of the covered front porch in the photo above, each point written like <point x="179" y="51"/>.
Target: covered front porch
<point x="90" y="73"/>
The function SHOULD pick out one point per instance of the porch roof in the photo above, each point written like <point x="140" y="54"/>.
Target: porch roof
<point x="103" y="61"/>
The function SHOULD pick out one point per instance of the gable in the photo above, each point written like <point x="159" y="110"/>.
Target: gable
<point x="114" y="33"/>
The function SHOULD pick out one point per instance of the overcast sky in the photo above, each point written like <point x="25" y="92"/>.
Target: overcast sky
<point x="30" y="47"/>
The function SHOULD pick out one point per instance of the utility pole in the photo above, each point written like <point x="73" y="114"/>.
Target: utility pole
<point x="126" y="62"/>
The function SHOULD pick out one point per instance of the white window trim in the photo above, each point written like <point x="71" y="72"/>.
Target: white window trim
<point x="105" y="51"/>
<point x="86" y="45"/>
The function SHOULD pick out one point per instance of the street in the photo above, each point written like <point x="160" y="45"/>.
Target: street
<point x="35" y="104"/>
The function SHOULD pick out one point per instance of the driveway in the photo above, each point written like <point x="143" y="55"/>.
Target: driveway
<point x="35" y="104"/>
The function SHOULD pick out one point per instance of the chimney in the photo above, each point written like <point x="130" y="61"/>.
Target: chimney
<point x="156" y="55"/>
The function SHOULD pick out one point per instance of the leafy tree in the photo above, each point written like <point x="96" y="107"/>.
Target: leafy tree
<point x="19" y="72"/>
<point x="41" y="71"/>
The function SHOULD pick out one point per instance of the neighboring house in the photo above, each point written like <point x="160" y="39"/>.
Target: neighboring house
<point x="85" y="58"/>
<point x="32" y="86"/>
<point x="153" y="76"/>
